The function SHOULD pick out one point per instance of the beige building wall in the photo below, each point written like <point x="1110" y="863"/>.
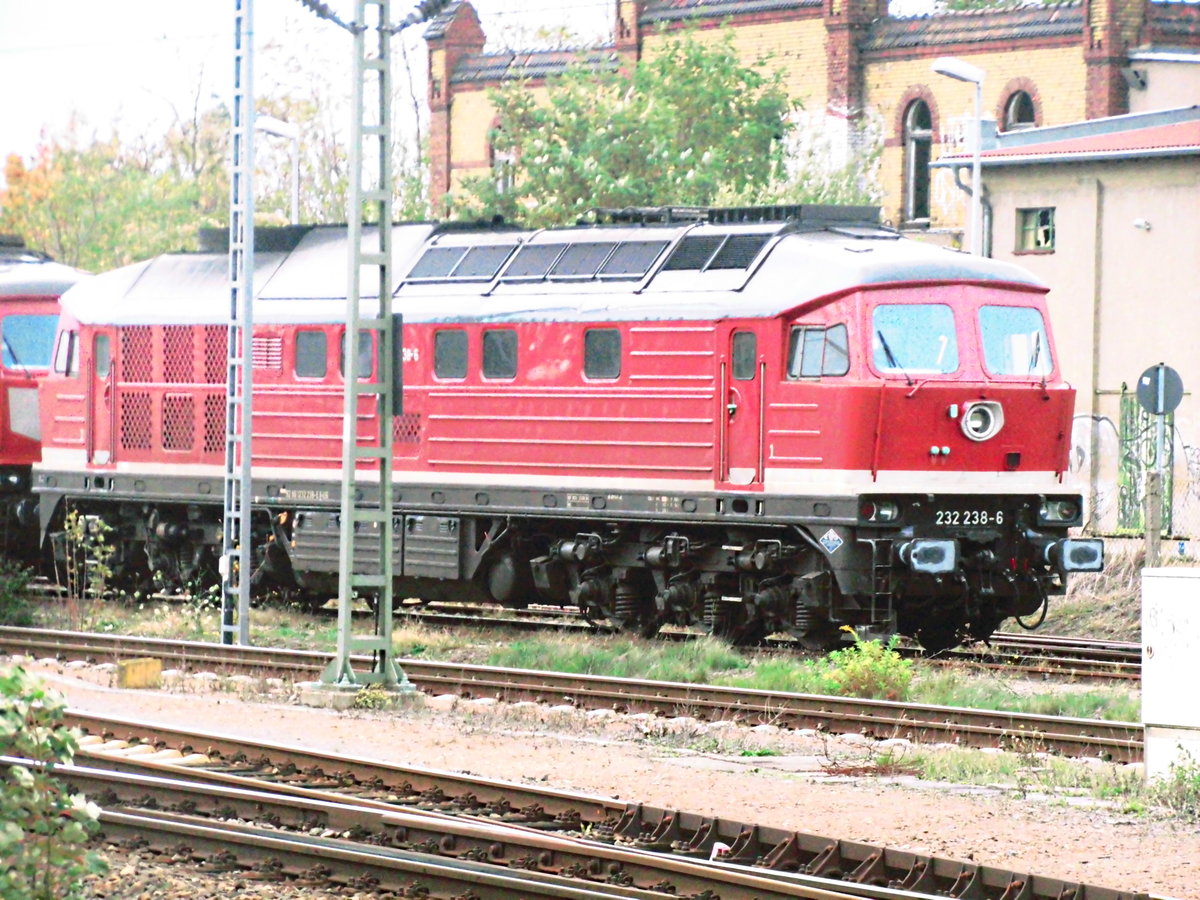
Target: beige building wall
<point x="1169" y="84"/>
<point x="1125" y="295"/>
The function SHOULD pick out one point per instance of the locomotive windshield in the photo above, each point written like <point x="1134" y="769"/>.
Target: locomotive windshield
<point x="1014" y="341"/>
<point x="914" y="339"/>
<point x="28" y="340"/>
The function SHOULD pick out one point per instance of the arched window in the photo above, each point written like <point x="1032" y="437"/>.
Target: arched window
<point x="502" y="165"/>
<point x="918" y="143"/>
<point x="1019" y="112"/>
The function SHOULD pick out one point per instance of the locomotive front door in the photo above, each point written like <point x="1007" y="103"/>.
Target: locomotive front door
<point x="742" y="381"/>
<point x="101" y="403"/>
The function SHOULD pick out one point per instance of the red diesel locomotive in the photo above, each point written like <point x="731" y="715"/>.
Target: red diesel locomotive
<point x="726" y="422"/>
<point x="30" y="285"/>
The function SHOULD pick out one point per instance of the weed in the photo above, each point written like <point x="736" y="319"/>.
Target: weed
<point x="1179" y="791"/>
<point x="372" y="696"/>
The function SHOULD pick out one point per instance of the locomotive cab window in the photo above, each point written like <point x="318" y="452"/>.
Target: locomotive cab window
<point x="450" y="353"/>
<point x="28" y="340"/>
<point x="311" y="354"/>
<point x="499" y="354"/>
<point x="102" y="356"/>
<point x="1014" y="341"/>
<point x="914" y="339"/>
<point x="602" y="353"/>
<point x="66" y="354"/>
<point x="816" y="350"/>
<point x="745" y="355"/>
<point x="365" y="362"/>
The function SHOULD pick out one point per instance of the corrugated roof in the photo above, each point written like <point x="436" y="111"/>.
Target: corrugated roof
<point x="436" y="29"/>
<point x="657" y="11"/>
<point x="1141" y="137"/>
<point x="476" y="67"/>
<point x="1175" y="19"/>
<point x="974" y="26"/>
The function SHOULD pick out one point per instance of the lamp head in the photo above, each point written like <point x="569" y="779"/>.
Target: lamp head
<point x="959" y="70"/>
<point x="276" y="127"/>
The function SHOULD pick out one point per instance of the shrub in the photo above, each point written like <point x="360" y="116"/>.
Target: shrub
<point x="44" y="828"/>
<point x="14" y="603"/>
<point x="870" y="669"/>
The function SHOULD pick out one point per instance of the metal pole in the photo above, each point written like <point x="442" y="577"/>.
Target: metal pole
<point x="976" y="197"/>
<point x="296" y="179"/>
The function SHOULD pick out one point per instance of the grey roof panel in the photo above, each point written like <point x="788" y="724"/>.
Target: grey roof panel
<point x="974" y="26"/>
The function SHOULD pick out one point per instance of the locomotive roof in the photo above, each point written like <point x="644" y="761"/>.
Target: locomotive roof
<point x="676" y="271"/>
<point x="27" y="273"/>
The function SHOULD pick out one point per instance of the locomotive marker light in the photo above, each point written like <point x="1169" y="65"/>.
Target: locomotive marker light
<point x="960" y="70"/>
<point x="1159" y="390"/>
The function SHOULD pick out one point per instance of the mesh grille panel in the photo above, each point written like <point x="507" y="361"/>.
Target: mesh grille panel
<point x="177" y="354"/>
<point x="137" y="360"/>
<point x="135" y="420"/>
<point x="216" y="345"/>
<point x="214" y="423"/>
<point x="179" y="422"/>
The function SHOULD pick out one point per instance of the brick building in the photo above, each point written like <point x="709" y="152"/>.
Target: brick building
<point x="1043" y="65"/>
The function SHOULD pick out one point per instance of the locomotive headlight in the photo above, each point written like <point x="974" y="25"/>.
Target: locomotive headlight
<point x="878" y="511"/>
<point x="1058" y="512"/>
<point x="982" y="419"/>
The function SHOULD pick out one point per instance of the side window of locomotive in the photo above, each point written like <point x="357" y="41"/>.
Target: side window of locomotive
<point x="499" y="354"/>
<point x="311" y="354"/>
<point x="364" y="357"/>
<point x="816" y="350"/>
<point x="914" y="339"/>
<point x="602" y="353"/>
<point x="450" y="354"/>
<point x="1014" y="341"/>
<point x="745" y="355"/>
<point x="66" y="357"/>
<point x="28" y="340"/>
<point x="103" y="356"/>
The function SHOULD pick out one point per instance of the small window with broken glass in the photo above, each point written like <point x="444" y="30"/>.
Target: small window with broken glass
<point x="1035" y="230"/>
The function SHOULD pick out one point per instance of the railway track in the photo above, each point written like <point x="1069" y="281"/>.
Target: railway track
<point x="881" y="719"/>
<point x="215" y="793"/>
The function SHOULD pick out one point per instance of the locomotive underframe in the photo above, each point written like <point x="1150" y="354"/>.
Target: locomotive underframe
<point x="740" y="565"/>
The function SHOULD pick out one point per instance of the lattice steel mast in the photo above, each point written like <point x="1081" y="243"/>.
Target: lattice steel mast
<point x="236" y="550"/>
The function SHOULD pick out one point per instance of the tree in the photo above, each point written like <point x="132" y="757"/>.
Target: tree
<point x="690" y="125"/>
<point x="99" y="204"/>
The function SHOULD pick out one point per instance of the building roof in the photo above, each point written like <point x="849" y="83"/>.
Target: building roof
<point x="484" y="67"/>
<point x="1174" y="132"/>
<point x="656" y="11"/>
<point x="972" y="26"/>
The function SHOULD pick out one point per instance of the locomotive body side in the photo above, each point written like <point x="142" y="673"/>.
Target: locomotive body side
<point x="30" y="285"/>
<point x="746" y="429"/>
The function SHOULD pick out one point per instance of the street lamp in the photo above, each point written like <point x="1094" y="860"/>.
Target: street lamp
<point x="279" y="128"/>
<point x="960" y="70"/>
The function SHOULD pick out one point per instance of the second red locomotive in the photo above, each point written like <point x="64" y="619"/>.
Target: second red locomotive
<point x="729" y="422"/>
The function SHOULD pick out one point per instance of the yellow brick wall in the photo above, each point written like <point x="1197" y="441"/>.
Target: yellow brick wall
<point x="797" y="48"/>
<point x="1058" y="77"/>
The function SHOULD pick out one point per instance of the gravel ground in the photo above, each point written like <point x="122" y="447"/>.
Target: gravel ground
<point x="680" y="763"/>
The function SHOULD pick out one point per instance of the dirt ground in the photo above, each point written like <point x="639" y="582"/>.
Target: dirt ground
<point x="681" y="764"/>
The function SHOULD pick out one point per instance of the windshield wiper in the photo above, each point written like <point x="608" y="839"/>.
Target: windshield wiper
<point x="1037" y="351"/>
<point x="16" y="359"/>
<point x="891" y="357"/>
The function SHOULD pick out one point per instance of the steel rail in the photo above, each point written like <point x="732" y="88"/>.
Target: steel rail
<point x="881" y="719"/>
<point x="370" y="782"/>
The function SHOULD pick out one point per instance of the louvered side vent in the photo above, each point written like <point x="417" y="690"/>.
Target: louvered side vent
<point x="137" y="358"/>
<point x="135" y="420"/>
<point x="268" y="353"/>
<point x="177" y="354"/>
<point x="179" y="422"/>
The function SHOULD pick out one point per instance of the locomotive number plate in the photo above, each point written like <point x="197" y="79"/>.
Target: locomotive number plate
<point x="969" y="517"/>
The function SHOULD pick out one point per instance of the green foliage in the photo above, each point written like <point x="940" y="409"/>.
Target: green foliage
<point x="44" y="829"/>
<point x="88" y="554"/>
<point x="689" y="125"/>
<point x="956" y="688"/>
<point x="1179" y="792"/>
<point x="97" y="204"/>
<point x="690" y="662"/>
<point x="15" y="608"/>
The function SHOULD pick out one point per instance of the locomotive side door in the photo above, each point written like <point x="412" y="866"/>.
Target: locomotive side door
<point x="101" y="401"/>
<point x="742" y="380"/>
